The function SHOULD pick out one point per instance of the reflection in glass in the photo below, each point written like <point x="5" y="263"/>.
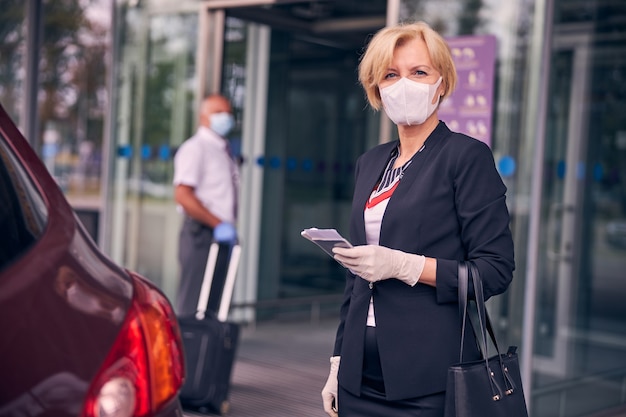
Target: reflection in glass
<point x="155" y="114"/>
<point x="12" y="49"/>
<point x="73" y="95"/>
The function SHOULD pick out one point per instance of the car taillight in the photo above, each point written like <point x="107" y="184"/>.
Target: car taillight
<point x="144" y="369"/>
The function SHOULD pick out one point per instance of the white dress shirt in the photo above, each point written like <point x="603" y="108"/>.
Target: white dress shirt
<point x="204" y="162"/>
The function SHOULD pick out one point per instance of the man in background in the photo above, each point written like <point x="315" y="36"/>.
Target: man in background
<point x="206" y="182"/>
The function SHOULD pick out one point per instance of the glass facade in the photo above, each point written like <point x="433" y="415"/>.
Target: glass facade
<point x="12" y="54"/>
<point x="558" y="136"/>
<point x="54" y="67"/>
<point x="559" y="144"/>
<point x="579" y="357"/>
<point x="153" y="114"/>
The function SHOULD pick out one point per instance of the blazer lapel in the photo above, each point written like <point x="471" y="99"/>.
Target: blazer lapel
<point x="431" y="147"/>
<point x="370" y="171"/>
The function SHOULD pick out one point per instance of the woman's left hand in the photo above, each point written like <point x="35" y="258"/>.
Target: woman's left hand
<point x="374" y="263"/>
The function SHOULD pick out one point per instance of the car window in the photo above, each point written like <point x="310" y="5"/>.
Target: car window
<point x="23" y="214"/>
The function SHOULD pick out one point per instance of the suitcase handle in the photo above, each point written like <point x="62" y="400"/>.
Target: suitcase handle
<point x="229" y="283"/>
<point x="207" y="281"/>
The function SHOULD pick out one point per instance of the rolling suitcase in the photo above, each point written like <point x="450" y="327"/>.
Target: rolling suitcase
<point x="209" y="340"/>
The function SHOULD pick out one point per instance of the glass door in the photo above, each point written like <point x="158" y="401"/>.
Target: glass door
<point x="290" y="69"/>
<point x="579" y="363"/>
<point x="154" y="113"/>
<point x="562" y="209"/>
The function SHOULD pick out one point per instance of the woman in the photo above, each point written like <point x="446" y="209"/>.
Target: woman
<point x="420" y="205"/>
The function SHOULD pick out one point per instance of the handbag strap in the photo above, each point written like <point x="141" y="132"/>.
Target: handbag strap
<point x="478" y="289"/>
<point x="463" y="289"/>
<point x="467" y="269"/>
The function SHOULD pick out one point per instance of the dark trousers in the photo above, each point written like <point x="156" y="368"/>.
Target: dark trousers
<point x="193" y="250"/>
<point x="372" y="401"/>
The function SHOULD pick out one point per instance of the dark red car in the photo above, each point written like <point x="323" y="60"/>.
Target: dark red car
<point x="79" y="335"/>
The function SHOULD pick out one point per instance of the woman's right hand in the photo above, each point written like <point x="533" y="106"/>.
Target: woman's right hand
<point x="329" y="392"/>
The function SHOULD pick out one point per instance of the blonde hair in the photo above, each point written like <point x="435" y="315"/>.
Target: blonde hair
<point x="379" y="55"/>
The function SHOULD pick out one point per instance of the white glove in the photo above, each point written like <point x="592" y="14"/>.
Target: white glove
<point x="329" y="392"/>
<point x="373" y="263"/>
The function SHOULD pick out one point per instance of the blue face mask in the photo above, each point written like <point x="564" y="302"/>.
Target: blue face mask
<point x="221" y="123"/>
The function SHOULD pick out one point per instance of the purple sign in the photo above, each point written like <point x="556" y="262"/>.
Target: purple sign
<point x="469" y="109"/>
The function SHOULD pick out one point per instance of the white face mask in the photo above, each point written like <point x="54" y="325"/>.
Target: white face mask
<point x="408" y="102"/>
<point x="221" y="123"/>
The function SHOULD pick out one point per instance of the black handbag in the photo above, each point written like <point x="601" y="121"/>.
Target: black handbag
<point x="490" y="386"/>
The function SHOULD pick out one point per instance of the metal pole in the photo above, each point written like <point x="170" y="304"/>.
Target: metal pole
<point x="30" y="116"/>
<point x="544" y="37"/>
<point x="109" y="145"/>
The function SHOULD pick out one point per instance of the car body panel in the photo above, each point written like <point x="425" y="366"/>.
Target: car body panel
<point x="62" y="301"/>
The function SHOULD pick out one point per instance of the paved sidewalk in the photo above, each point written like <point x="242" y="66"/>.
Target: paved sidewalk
<point x="280" y="370"/>
<point x="281" y="367"/>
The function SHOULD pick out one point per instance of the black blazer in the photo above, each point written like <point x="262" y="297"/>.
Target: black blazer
<point x="449" y="205"/>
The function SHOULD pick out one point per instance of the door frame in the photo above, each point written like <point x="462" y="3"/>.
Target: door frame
<point x="209" y="66"/>
<point x="566" y="251"/>
<point x="209" y="75"/>
<point x="211" y="39"/>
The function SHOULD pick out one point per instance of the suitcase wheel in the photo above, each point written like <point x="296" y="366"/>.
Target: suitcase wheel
<point x="224" y="408"/>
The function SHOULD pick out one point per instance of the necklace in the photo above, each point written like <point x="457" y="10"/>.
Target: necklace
<point x="408" y="162"/>
<point x="399" y="152"/>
